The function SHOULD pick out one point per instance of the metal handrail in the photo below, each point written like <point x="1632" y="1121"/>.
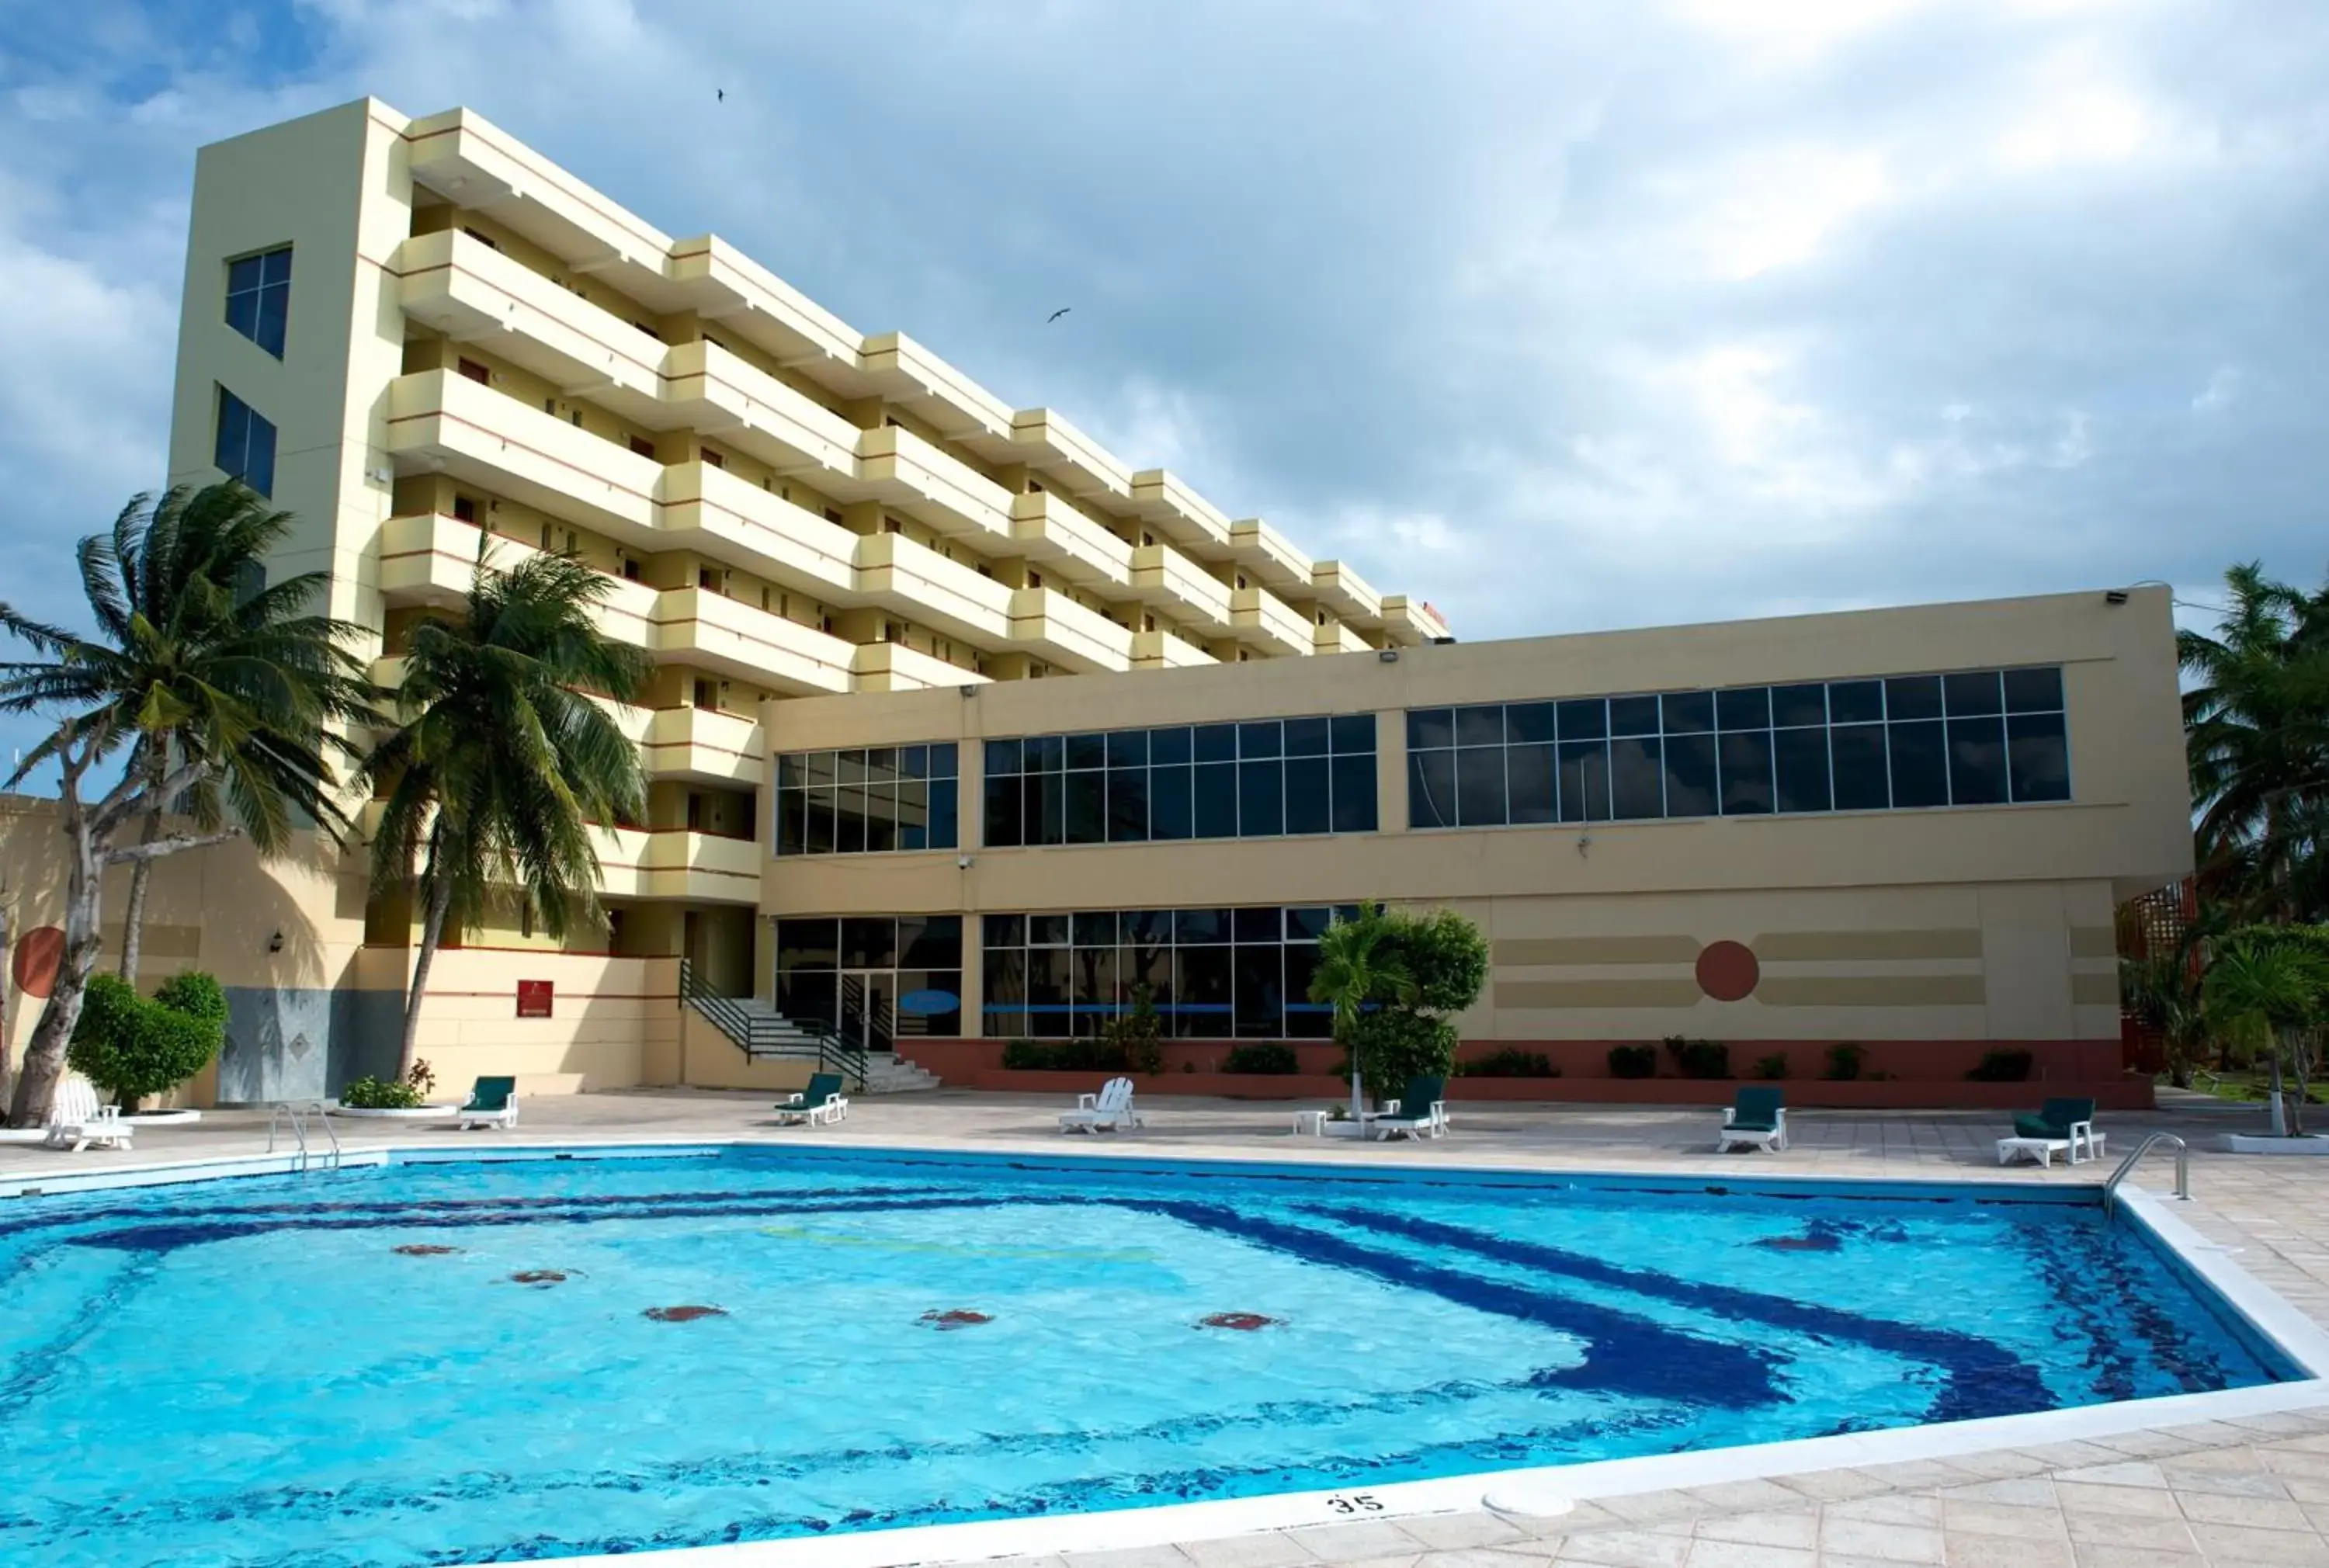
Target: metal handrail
<point x="289" y="1112"/>
<point x="2182" y="1169"/>
<point x="758" y="1036"/>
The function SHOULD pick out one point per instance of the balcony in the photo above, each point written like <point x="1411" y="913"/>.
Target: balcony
<point x="1045" y="528"/>
<point x="723" y="284"/>
<point x="474" y="294"/>
<point x="1164" y="578"/>
<point x="1181" y="515"/>
<point x="1264" y="621"/>
<point x="1347" y="594"/>
<point x="1267" y="554"/>
<point x="673" y="863"/>
<point x="950" y="402"/>
<point x="715" y="392"/>
<point x="440" y="421"/>
<point x="1081" y="465"/>
<point x="747" y="526"/>
<point x="700" y="743"/>
<point x="1411" y="621"/>
<point x="924" y="585"/>
<point x="699" y="627"/>
<point x="431" y="559"/>
<point x="1067" y="634"/>
<point x="1335" y="637"/>
<point x="917" y="478"/>
<point x="1165" y="651"/>
<point x="894" y="667"/>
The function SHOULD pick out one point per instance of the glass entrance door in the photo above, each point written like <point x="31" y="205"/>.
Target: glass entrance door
<point x="869" y="1008"/>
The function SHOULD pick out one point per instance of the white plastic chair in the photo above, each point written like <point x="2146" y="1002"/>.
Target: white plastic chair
<point x="76" y="1118"/>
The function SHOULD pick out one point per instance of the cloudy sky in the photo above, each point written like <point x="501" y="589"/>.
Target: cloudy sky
<point x="1562" y="315"/>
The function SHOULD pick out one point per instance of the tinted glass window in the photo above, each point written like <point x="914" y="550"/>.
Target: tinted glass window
<point x="1480" y="725"/>
<point x="2038" y="757"/>
<point x="1978" y="761"/>
<point x="1431" y="789"/>
<point x="1862" y="781"/>
<point x="1912" y="697"/>
<point x="1633" y="715"/>
<point x="1744" y="708"/>
<point x="1795" y="705"/>
<point x="1690" y="776"/>
<point x="1855" y="702"/>
<point x="1687" y="712"/>
<point x="1920" y="767"/>
<point x="1587" y="721"/>
<point x="1636" y="780"/>
<point x="1972" y="694"/>
<point x="1799" y="767"/>
<point x="1480" y="786"/>
<point x="2033" y="690"/>
<point x="1431" y="728"/>
<point x="1530" y="722"/>
<point x="1745" y="760"/>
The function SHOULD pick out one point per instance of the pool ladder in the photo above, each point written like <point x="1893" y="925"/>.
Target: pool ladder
<point x="295" y="1113"/>
<point x="2182" y="1169"/>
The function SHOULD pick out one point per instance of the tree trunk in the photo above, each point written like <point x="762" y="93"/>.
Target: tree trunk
<point x="2299" y="1070"/>
<point x="7" y="1012"/>
<point x="44" y="1059"/>
<point x="133" y="912"/>
<point x="432" y="931"/>
<point x="2280" y="1105"/>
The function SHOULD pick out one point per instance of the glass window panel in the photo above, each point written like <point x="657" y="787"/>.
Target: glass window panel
<point x="1005" y="980"/>
<point x="1260" y="737"/>
<point x="1047" y="809"/>
<point x="1001" y="830"/>
<point x="945" y="810"/>
<point x="1863" y="782"/>
<point x="1584" y="720"/>
<point x="1047" y="931"/>
<point x="1431" y="789"/>
<point x="1200" y="925"/>
<point x="1203" y="985"/>
<point x="1532" y="793"/>
<point x="2033" y="690"/>
<point x="1307" y="925"/>
<point x="1092" y="974"/>
<point x="792" y="771"/>
<point x="2038" y="757"/>
<point x="1480" y="725"/>
<point x="1637" y="782"/>
<point x="1043" y="753"/>
<point x="1920" y="764"/>
<point x="808" y="944"/>
<point x="791" y="814"/>
<point x="1687" y="712"/>
<point x="1306" y="737"/>
<point x="275" y="266"/>
<point x="1354" y="792"/>
<point x="880" y="818"/>
<point x="849" y="820"/>
<point x="1002" y="758"/>
<point x="817" y="834"/>
<point x="1216" y="742"/>
<point x="1087" y="751"/>
<point x="1309" y="804"/>
<point x="1093" y="928"/>
<point x="1168" y="745"/>
<point x="1428" y="729"/>
<point x="1633" y="715"/>
<point x="823" y="767"/>
<point x="913" y="762"/>
<point x="1690" y="773"/>
<point x="914" y="816"/>
<point x="1855" y="702"/>
<point x="1973" y="693"/>
<point x="274" y="316"/>
<point x="1800" y="760"/>
<point x="1584" y="781"/>
<point x="1168" y="803"/>
<point x="1146" y="926"/>
<point x="1216" y="791"/>
<point x="929" y="942"/>
<point x="1086" y="797"/>
<point x="1006" y="930"/>
<point x="882" y="765"/>
<point x="1149" y="964"/>
<point x="1743" y="708"/>
<point x="1480" y="786"/>
<point x="812" y="996"/>
<point x="1261" y="799"/>
<point x="1912" y="697"/>
<point x="1796" y="706"/>
<point x="1050" y="991"/>
<point x="1251" y="924"/>
<point x="1260" y="992"/>
<point x="1127" y="748"/>
<point x="1530" y="722"/>
<point x="1305" y="1018"/>
<point x="1354" y="733"/>
<point x="945" y="761"/>
<point x="1978" y="761"/>
<point x="1746" y="759"/>
<point x="851" y="767"/>
<point x="868" y="941"/>
<point x="1127" y="804"/>
<point x="927" y="986"/>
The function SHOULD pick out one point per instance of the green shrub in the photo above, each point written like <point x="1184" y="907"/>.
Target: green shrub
<point x="1633" y="1061"/>
<point x="1262" y="1058"/>
<point x="1064" y="1056"/>
<point x="1395" y="1046"/>
<point x="1024" y="1057"/>
<point x="1509" y="1064"/>
<point x="1699" y="1059"/>
<point x="2002" y="1067"/>
<point x="131" y="1047"/>
<point x="370" y="1093"/>
<point x="1843" y="1063"/>
<point x="1138" y="1033"/>
<point x="1773" y="1066"/>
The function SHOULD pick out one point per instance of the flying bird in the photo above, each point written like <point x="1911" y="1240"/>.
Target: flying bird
<point x="1058" y="313"/>
<point x="722" y="92"/>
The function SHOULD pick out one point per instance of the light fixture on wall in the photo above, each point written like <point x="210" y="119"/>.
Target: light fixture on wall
<point x="1388" y="655"/>
<point x="962" y="862"/>
<point x="275" y="943"/>
<point x="1584" y="843"/>
<point x="2114" y="595"/>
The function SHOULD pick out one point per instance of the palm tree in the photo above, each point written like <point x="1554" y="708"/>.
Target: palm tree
<point x="221" y="690"/>
<point x="1359" y="964"/>
<point x="2256" y="734"/>
<point x="503" y="762"/>
<point x="2269" y="991"/>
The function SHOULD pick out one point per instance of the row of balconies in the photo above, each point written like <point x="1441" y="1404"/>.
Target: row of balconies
<point x="475" y="293"/>
<point x="441" y="422"/>
<point x="657" y="862"/>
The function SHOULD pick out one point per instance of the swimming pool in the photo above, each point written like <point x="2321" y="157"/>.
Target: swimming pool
<point x="502" y="1360"/>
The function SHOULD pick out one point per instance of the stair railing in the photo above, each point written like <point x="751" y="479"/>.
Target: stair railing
<point x="2182" y="1169"/>
<point x="764" y="1035"/>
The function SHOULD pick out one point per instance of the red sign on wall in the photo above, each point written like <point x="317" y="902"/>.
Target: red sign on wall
<point x="533" y="999"/>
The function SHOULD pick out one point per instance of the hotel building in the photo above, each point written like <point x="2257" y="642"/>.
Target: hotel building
<point x="962" y="726"/>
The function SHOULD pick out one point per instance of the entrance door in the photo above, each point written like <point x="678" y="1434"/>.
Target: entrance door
<point x="868" y="1007"/>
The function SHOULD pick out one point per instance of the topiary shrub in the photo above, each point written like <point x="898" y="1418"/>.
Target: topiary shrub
<point x="1633" y="1061"/>
<point x="1843" y="1063"/>
<point x="1773" y="1066"/>
<point x="1396" y="1046"/>
<point x="1262" y="1058"/>
<point x="1509" y="1064"/>
<point x="2002" y="1067"/>
<point x="1699" y="1059"/>
<point x="131" y="1047"/>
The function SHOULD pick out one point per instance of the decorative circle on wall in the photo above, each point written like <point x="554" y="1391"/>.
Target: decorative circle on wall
<point x="928" y="1003"/>
<point x="38" y="953"/>
<point x="1727" y="971"/>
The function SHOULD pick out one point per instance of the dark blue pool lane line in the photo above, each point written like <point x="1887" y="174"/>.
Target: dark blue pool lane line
<point x="1982" y="1377"/>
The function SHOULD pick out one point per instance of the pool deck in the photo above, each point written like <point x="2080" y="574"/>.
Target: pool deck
<point x="2247" y="1492"/>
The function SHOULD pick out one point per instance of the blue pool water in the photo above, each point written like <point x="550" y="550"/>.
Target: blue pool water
<point x="251" y="1372"/>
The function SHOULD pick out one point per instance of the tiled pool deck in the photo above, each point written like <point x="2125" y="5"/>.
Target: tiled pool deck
<point x="2251" y="1492"/>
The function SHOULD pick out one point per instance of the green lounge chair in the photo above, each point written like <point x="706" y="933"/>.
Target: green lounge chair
<point x="1419" y="1112"/>
<point x="2065" y="1121"/>
<point x="493" y="1102"/>
<point x="822" y="1101"/>
<point x="1757" y="1118"/>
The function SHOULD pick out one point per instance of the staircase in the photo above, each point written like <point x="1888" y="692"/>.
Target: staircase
<point x="888" y="1073"/>
<point x="764" y="1034"/>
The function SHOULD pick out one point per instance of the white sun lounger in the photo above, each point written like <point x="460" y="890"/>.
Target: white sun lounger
<point x="1111" y="1109"/>
<point x="77" y="1120"/>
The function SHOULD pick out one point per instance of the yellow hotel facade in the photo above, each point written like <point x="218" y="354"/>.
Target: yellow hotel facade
<point x="963" y="728"/>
